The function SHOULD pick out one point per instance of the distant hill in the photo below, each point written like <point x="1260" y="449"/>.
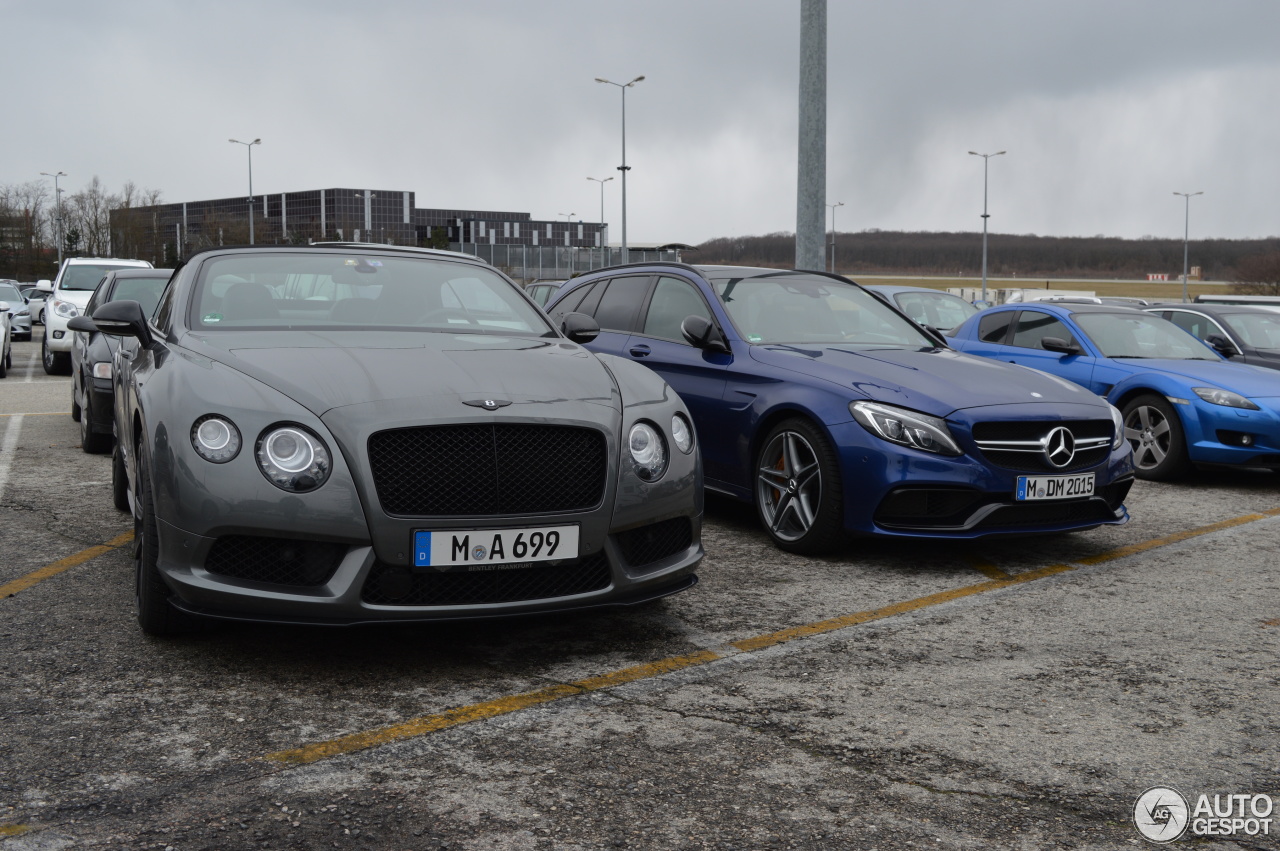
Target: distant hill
<point x="960" y="254"/>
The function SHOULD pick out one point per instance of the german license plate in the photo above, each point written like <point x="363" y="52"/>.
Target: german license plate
<point x="1054" y="487"/>
<point x="484" y="549"/>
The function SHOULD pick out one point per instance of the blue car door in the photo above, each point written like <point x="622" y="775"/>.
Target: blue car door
<point x="1025" y="346"/>
<point x="696" y="374"/>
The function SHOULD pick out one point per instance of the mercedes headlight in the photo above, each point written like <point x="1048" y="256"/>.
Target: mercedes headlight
<point x="648" y="451"/>
<point x="65" y="309"/>
<point x="906" y="428"/>
<point x="1117" y="420"/>
<point x="1218" y="396"/>
<point x="214" y="438"/>
<point x="293" y="459"/>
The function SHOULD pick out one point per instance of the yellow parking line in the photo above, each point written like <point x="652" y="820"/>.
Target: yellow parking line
<point x="481" y="711"/>
<point x="13" y="829"/>
<point x="38" y="576"/>
<point x="514" y="703"/>
<point x="986" y="568"/>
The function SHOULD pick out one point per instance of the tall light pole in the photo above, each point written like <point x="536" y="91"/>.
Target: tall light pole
<point x="1186" y="234"/>
<point x="57" y="202"/>
<point x="602" y="182"/>
<point x="986" y="158"/>
<point x="623" y="168"/>
<point x="249" y="146"/>
<point x="833" y="233"/>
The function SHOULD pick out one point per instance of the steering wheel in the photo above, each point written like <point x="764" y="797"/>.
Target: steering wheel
<point x="446" y="313"/>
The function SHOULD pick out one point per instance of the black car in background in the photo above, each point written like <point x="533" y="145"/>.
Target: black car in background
<point x="93" y="354"/>
<point x="1243" y="333"/>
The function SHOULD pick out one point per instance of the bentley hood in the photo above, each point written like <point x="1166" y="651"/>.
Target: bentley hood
<point x="933" y="381"/>
<point x="324" y="371"/>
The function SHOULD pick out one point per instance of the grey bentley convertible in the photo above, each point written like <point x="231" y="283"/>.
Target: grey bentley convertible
<point x="341" y="433"/>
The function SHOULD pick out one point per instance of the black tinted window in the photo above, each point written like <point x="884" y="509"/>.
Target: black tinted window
<point x="673" y="300"/>
<point x="164" y="309"/>
<point x="1033" y="326"/>
<point x="620" y="303"/>
<point x="573" y="300"/>
<point x="994" y="327"/>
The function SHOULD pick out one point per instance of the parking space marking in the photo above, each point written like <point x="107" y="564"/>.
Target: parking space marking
<point x="514" y="703"/>
<point x="14" y="829"/>
<point x="33" y="359"/>
<point x="36" y="577"/>
<point x="986" y="568"/>
<point x="8" y="449"/>
<point x="40" y="414"/>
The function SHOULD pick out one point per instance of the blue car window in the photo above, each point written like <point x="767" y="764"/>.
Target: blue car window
<point x="1141" y="335"/>
<point x="673" y="300"/>
<point x="621" y="302"/>
<point x="941" y="310"/>
<point x="573" y="300"/>
<point x="994" y="327"/>
<point x="1033" y="326"/>
<point x="797" y="308"/>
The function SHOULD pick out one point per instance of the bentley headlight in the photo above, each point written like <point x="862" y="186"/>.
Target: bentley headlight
<point x="214" y="438"/>
<point x="293" y="458"/>
<point x="65" y="309"/>
<point x="906" y="428"/>
<point x="648" y="451"/>
<point x="682" y="433"/>
<point x="1117" y="420"/>
<point x="1218" y="396"/>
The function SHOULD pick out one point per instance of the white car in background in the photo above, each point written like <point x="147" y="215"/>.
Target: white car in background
<point x="6" y="339"/>
<point x="66" y="298"/>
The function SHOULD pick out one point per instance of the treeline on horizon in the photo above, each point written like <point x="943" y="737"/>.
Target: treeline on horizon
<point x="1008" y="255"/>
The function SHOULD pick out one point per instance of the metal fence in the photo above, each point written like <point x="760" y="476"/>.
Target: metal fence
<point x="553" y="262"/>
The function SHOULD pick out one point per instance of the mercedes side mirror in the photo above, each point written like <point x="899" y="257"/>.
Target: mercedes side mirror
<point x="1057" y="344"/>
<point x="121" y="319"/>
<point x="701" y="334"/>
<point x="1222" y="345"/>
<point x="579" y="327"/>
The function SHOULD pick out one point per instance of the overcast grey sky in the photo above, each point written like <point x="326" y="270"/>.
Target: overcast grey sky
<point x="1105" y="108"/>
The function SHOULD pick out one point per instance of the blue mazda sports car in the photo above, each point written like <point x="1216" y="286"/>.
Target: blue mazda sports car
<point x="1183" y="404"/>
<point x="834" y="413"/>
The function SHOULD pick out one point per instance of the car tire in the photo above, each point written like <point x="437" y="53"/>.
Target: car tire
<point x="1159" y="444"/>
<point x="798" y="493"/>
<point x="156" y="615"/>
<point x="55" y="363"/>
<point x="90" y="441"/>
<point x="119" y="481"/>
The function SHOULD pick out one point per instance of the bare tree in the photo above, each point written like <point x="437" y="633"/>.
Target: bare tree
<point x="89" y="213"/>
<point x="1259" y="274"/>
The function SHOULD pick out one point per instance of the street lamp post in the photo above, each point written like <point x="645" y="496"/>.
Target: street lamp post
<point x="833" y="233"/>
<point x="623" y="168"/>
<point x="603" y="248"/>
<point x="1186" y="234"/>
<point x="57" y="203"/>
<point x="985" y="161"/>
<point x="249" y="146"/>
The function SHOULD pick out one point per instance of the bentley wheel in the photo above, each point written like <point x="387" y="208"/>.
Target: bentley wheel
<point x="1154" y="431"/>
<point x="119" y="481"/>
<point x="91" y="442"/>
<point x="798" y="492"/>
<point x="155" y="614"/>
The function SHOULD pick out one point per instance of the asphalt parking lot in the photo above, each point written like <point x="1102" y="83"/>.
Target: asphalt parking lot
<point x="1018" y="694"/>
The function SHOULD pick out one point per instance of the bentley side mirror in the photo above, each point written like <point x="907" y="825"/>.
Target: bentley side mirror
<point x="579" y="328"/>
<point x="701" y="334"/>
<point x="82" y="323"/>
<point x="1222" y="345"/>
<point x="1057" y="344"/>
<point x="121" y="319"/>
